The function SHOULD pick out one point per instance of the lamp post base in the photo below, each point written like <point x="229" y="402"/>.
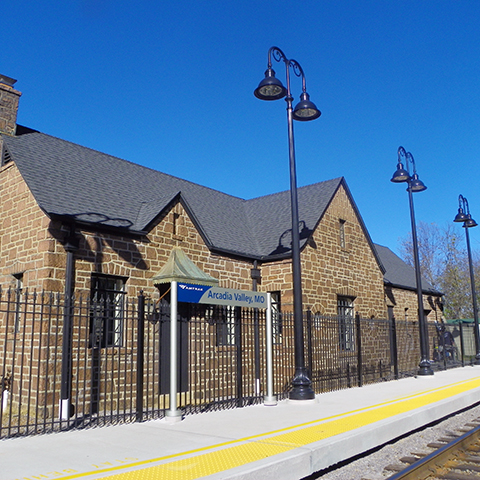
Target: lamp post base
<point x="301" y="386"/>
<point x="270" y="400"/>
<point x="173" y="416"/>
<point x="424" y="368"/>
<point x="477" y="359"/>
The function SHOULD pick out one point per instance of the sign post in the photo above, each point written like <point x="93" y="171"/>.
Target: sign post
<point x="203" y="294"/>
<point x="173" y="413"/>
<point x="270" y="399"/>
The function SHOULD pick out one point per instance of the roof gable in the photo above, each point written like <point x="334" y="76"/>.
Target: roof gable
<point x="270" y="216"/>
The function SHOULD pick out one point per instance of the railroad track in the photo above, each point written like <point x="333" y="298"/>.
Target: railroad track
<point x="456" y="457"/>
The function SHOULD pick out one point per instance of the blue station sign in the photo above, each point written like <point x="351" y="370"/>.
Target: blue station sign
<point x="190" y="293"/>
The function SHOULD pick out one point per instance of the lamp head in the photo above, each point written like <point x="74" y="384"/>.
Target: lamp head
<point x="400" y="175"/>
<point x="305" y="109"/>
<point x="469" y="222"/>
<point x="416" y="184"/>
<point x="270" y="88"/>
<point x="461" y="216"/>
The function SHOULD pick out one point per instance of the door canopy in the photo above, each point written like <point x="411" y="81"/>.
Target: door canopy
<point x="179" y="268"/>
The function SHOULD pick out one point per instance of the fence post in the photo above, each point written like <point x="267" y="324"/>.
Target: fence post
<point x="462" y="345"/>
<point x="393" y="343"/>
<point x="442" y="340"/>
<point x="239" y="351"/>
<point x="140" y="355"/>
<point x="359" y="350"/>
<point x="309" y="344"/>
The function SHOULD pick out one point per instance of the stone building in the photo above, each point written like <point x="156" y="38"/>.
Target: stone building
<point x="77" y="221"/>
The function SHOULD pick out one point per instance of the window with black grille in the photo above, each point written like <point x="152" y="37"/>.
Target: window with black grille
<point x="227" y="318"/>
<point x="346" y="323"/>
<point x="107" y="303"/>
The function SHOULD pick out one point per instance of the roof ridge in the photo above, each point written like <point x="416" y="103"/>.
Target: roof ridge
<point x="298" y="188"/>
<point x="137" y="165"/>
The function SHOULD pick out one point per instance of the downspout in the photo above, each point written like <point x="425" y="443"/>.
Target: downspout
<point x="71" y="246"/>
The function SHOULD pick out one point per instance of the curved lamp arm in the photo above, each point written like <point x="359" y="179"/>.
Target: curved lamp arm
<point x="408" y="158"/>
<point x="279" y="56"/>
<point x="403" y="175"/>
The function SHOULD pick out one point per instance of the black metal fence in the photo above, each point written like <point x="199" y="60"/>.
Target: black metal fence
<point x="112" y="364"/>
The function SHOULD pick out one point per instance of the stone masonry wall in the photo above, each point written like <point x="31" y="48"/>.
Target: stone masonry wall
<point x="26" y="245"/>
<point x="405" y="305"/>
<point x="329" y="269"/>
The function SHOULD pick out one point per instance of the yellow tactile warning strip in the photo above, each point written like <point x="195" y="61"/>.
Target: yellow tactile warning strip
<point x="228" y="455"/>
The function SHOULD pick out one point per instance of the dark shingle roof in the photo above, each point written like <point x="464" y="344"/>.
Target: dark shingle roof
<point x="400" y="274"/>
<point x="75" y="182"/>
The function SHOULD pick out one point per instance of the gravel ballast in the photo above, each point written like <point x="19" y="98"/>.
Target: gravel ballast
<point x="372" y="466"/>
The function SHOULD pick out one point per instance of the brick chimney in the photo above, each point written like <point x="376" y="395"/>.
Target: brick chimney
<point x="8" y="105"/>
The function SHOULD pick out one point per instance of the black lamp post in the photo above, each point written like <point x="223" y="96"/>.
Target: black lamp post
<point x="415" y="185"/>
<point x="464" y="216"/>
<point x="270" y="88"/>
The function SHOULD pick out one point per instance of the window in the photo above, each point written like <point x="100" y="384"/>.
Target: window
<point x="107" y="311"/>
<point x="18" y="299"/>
<point x="226" y="324"/>
<point x="345" y="323"/>
<point x="176" y="216"/>
<point x="18" y="282"/>
<point x="277" y="326"/>
<point x="342" y="233"/>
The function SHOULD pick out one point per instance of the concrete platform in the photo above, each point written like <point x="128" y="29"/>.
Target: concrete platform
<point x="287" y="441"/>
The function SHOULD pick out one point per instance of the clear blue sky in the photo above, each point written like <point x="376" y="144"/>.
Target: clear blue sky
<point x="169" y="84"/>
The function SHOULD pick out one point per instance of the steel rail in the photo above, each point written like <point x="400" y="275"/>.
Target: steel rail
<point x="436" y="464"/>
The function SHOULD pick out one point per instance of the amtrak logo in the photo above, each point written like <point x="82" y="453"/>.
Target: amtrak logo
<point x="194" y="288"/>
